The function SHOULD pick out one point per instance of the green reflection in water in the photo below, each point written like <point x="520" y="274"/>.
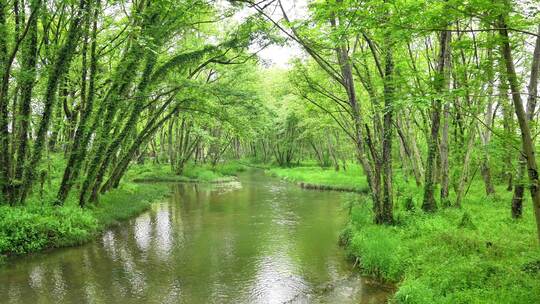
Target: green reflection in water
<point x="258" y="241"/>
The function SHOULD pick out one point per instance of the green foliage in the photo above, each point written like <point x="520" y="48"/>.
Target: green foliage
<point x="201" y="173"/>
<point x="126" y="202"/>
<point x="229" y="168"/>
<point x="40" y="225"/>
<point x="200" y="97"/>
<point x="350" y="179"/>
<point x="222" y="172"/>
<point x="414" y="291"/>
<point x="378" y="249"/>
<point x="476" y="255"/>
<point x="30" y="229"/>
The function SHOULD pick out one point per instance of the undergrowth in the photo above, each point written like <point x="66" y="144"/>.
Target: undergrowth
<point x="352" y="178"/>
<point x="40" y="225"/>
<point x="476" y="254"/>
<point x="221" y="172"/>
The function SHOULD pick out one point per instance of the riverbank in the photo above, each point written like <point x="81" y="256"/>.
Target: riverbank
<point x="203" y="173"/>
<point x="39" y="225"/>
<point x="317" y="178"/>
<point x="476" y="254"/>
<point x="205" y="235"/>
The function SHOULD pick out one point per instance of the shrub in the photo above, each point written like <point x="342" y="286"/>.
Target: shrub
<point x="379" y="251"/>
<point x="30" y="229"/>
<point x="414" y="292"/>
<point x="476" y="254"/>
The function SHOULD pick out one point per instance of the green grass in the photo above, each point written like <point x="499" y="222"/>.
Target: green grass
<point x="192" y="173"/>
<point x="476" y="254"/>
<point x="39" y="225"/>
<point x="352" y="179"/>
<point x="130" y="200"/>
<point x="33" y="228"/>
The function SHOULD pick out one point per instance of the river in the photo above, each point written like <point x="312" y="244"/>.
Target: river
<point x="259" y="240"/>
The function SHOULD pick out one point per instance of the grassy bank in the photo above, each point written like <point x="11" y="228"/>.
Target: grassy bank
<point x="314" y="177"/>
<point x="476" y="254"/>
<point x="203" y="173"/>
<point x="39" y="225"/>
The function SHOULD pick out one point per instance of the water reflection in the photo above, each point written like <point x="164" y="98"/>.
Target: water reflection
<point x="259" y="241"/>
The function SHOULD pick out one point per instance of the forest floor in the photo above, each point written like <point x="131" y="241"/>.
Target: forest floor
<point x="473" y="254"/>
<point x="39" y="225"/>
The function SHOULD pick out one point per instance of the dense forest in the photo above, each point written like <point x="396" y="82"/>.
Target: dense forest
<point x="427" y="108"/>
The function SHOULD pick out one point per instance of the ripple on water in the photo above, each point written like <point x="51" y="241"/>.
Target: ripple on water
<point x="262" y="241"/>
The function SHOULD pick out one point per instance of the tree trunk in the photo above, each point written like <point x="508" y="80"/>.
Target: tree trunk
<point x="60" y="66"/>
<point x="445" y="178"/>
<point x="409" y="151"/>
<point x="5" y="156"/>
<point x="440" y="85"/>
<point x="509" y="128"/>
<point x="81" y="138"/>
<point x="29" y="62"/>
<point x="125" y="73"/>
<point x="517" y="199"/>
<point x="464" y="176"/>
<point x="526" y="138"/>
<point x="128" y="127"/>
<point x="121" y="167"/>
<point x="485" y="134"/>
<point x="388" y="204"/>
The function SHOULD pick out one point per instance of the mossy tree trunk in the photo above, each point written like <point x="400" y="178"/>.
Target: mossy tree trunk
<point x="4" y="134"/>
<point x="124" y="75"/>
<point x="388" y="130"/>
<point x="116" y="143"/>
<point x="523" y="121"/>
<point x="441" y="85"/>
<point x="80" y="140"/>
<point x="28" y="77"/>
<point x="519" y="189"/>
<point x="56" y="72"/>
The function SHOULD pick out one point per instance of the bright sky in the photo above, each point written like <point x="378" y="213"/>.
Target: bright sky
<point x="275" y="55"/>
<point x="281" y="55"/>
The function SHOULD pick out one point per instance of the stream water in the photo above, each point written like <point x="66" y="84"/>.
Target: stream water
<point x="260" y="240"/>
